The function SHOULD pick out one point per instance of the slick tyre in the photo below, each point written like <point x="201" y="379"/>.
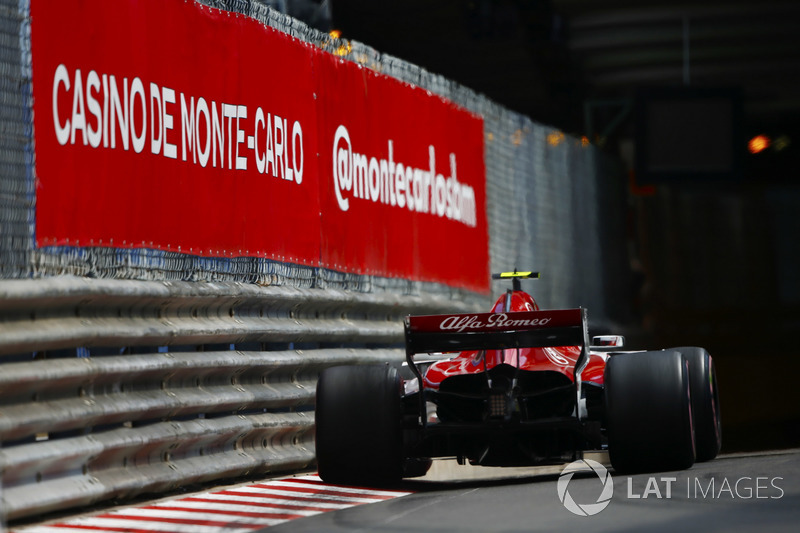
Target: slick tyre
<point x="359" y="425"/>
<point x="648" y="410"/>
<point x="705" y="402"/>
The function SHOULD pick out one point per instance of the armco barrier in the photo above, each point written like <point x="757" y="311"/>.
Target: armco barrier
<point x="110" y="389"/>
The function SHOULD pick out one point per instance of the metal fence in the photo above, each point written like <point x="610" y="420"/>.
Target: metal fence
<point x="111" y="389"/>
<point x="127" y="371"/>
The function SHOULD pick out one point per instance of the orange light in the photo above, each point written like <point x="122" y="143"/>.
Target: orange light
<point x="344" y="49"/>
<point x="759" y="143"/>
<point x="335" y="34"/>
<point x="555" y="138"/>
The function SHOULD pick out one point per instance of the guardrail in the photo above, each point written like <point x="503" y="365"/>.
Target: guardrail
<point x="111" y="389"/>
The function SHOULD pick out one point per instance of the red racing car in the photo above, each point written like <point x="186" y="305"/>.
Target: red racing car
<point x="518" y="386"/>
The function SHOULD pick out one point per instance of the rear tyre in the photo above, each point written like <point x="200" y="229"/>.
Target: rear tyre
<point x="648" y="410"/>
<point x="359" y="425"/>
<point x="705" y="402"/>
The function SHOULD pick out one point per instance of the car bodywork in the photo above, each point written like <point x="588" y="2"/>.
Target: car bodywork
<point x="521" y="387"/>
<point x="516" y="386"/>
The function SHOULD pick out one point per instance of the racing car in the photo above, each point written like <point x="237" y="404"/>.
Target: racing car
<point x="517" y="386"/>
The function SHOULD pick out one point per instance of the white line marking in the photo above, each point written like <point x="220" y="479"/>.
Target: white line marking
<point x="192" y="506"/>
<point x="276" y="501"/>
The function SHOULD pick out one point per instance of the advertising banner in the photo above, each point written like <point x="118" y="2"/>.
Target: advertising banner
<point x="173" y="126"/>
<point x="403" y="190"/>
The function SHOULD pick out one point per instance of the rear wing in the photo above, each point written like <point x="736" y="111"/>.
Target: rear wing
<point x="496" y="331"/>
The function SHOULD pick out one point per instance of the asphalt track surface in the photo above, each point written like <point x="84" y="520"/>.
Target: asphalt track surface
<point x="753" y="492"/>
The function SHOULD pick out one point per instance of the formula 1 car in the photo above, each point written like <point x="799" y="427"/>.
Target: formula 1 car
<point x="518" y="386"/>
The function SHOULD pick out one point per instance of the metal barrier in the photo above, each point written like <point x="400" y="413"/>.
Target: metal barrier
<point x="110" y="389"/>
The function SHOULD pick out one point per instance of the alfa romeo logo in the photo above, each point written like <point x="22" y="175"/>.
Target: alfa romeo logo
<point x="586" y="509"/>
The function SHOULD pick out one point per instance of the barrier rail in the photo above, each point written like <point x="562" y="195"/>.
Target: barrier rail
<point x="110" y="389"/>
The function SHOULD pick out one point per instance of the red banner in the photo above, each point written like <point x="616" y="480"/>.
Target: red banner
<point x="174" y="126"/>
<point x="404" y="180"/>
